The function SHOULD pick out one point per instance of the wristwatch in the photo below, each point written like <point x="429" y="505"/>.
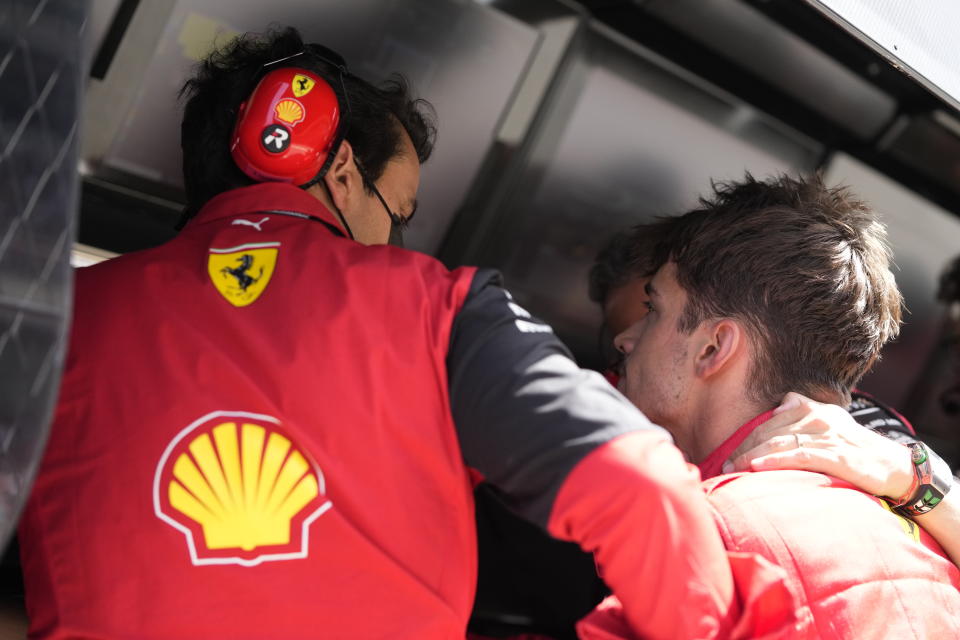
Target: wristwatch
<point x="933" y="479"/>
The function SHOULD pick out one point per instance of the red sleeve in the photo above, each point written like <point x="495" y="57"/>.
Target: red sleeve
<point x="768" y="607"/>
<point x="638" y="506"/>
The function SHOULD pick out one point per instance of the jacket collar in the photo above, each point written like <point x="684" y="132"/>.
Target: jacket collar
<point x="265" y="196"/>
<point x="712" y="465"/>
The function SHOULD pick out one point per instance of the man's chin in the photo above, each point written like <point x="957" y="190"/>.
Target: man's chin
<point x="622" y="385"/>
<point x="624" y="388"/>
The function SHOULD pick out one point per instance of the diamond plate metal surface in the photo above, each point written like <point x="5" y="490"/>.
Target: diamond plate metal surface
<point x="40" y="91"/>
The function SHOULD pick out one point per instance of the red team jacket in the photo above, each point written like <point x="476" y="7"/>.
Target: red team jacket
<point x="267" y="430"/>
<point x="855" y="569"/>
<point x="187" y="490"/>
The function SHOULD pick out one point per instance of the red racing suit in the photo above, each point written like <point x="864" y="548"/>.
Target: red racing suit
<point x="267" y="430"/>
<point x="856" y="570"/>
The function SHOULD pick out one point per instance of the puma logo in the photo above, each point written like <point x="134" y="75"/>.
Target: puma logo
<point x="250" y="223"/>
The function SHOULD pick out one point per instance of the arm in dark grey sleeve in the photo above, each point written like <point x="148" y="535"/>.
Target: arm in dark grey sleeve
<point x="873" y="414"/>
<point x="525" y="413"/>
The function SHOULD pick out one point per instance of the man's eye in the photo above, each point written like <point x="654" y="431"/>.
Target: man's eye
<point x="649" y="306"/>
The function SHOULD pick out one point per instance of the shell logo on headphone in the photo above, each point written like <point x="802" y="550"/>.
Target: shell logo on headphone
<point x="286" y="130"/>
<point x="290" y="111"/>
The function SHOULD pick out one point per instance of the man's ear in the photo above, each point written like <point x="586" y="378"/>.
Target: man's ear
<point x="722" y="340"/>
<point x="342" y="178"/>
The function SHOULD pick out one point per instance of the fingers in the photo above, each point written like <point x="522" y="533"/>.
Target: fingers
<point x="777" y="425"/>
<point x="792" y="444"/>
<point x="810" y="417"/>
<point x="780" y="421"/>
<point x="877" y="476"/>
<point x="804" y="459"/>
<point x="783" y="453"/>
<point x="793" y="400"/>
<point x="800" y="418"/>
<point x="807" y="435"/>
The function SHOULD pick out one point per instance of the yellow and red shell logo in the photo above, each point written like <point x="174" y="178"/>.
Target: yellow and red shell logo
<point x="240" y="490"/>
<point x="290" y="111"/>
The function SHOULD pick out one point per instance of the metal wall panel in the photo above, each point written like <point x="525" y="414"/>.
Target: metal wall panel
<point x="737" y="31"/>
<point x="99" y="19"/>
<point x="920" y="35"/>
<point x="624" y="138"/>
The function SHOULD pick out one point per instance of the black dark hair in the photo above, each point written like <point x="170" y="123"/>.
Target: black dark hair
<point x="949" y="289"/>
<point x="636" y="252"/>
<point x="227" y="77"/>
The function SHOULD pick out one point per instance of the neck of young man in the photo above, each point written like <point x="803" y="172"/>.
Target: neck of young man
<point x="714" y="416"/>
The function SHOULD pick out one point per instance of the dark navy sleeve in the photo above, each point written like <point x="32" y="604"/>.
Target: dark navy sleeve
<point x="525" y="413"/>
<point x="874" y="415"/>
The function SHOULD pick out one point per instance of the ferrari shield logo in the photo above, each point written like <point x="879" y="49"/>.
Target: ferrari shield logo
<point x="242" y="273"/>
<point x="302" y="85"/>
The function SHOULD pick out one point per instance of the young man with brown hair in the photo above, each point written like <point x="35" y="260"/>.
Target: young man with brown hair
<point x="835" y="441"/>
<point x="771" y="287"/>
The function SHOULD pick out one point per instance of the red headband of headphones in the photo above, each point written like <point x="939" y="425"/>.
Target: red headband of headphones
<point x="285" y="130"/>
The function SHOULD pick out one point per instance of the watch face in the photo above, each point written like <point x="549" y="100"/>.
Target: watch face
<point x="919" y="455"/>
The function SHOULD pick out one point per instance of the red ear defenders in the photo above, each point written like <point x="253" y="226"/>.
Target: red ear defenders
<point x="287" y="129"/>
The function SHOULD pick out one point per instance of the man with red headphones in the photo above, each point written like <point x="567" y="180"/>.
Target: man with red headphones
<point x="271" y="426"/>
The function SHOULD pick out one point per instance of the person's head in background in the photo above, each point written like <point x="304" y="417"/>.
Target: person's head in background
<point x="388" y="132"/>
<point x="619" y="275"/>
<point x="768" y="287"/>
